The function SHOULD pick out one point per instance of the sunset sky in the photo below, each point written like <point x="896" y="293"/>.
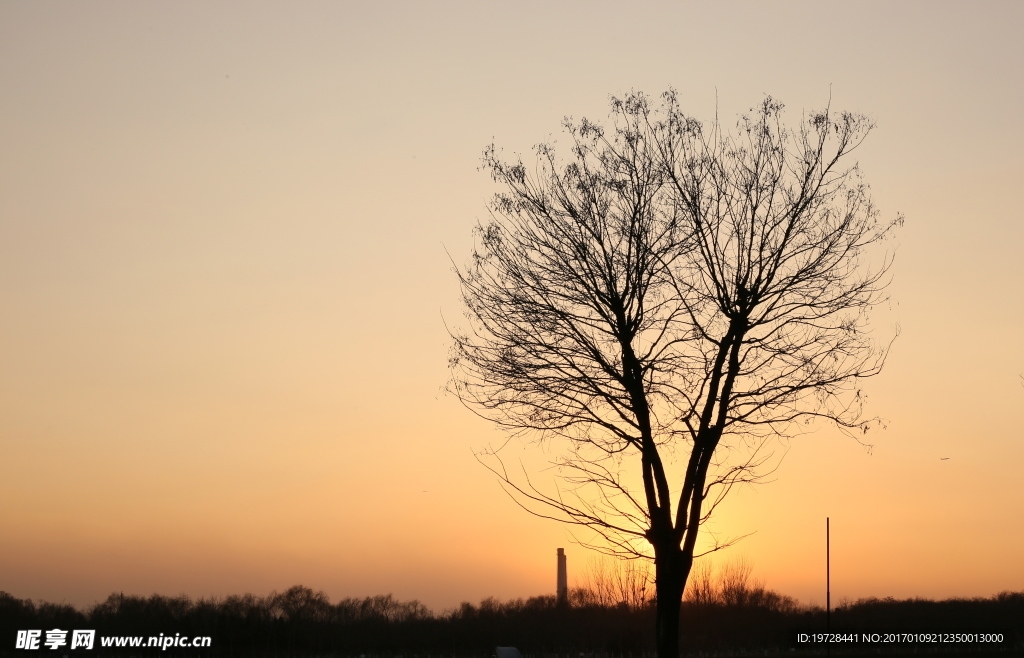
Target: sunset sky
<point x="225" y="231"/>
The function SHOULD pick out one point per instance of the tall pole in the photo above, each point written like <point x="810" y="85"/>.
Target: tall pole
<point x="828" y="578"/>
<point x="828" y="588"/>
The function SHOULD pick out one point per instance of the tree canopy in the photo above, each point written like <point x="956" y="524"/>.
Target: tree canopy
<point x="665" y="298"/>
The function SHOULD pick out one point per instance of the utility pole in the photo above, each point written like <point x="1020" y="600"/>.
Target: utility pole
<point x="828" y="579"/>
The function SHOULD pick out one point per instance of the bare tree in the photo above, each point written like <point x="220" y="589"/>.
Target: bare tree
<point x="621" y="583"/>
<point x="700" y="585"/>
<point x="661" y="303"/>
<point x="734" y="586"/>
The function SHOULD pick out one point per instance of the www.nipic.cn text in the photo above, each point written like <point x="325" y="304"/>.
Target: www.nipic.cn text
<point x="86" y="639"/>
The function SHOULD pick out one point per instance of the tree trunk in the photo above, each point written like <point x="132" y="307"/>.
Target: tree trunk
<point x="671" y="569"/>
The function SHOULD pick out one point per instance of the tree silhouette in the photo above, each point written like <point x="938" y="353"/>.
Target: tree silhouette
<point x="663" y="302"/>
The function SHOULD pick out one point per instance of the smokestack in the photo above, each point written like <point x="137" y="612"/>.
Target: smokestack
<point x="562" y="592"/>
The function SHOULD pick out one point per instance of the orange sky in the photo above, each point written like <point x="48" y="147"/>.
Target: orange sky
<point x="223" y="276"/>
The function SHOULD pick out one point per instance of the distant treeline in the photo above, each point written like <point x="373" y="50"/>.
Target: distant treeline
<point x="303" y="622"/>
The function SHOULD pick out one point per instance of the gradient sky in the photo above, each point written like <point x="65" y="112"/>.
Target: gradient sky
<point x="224" y="281"/>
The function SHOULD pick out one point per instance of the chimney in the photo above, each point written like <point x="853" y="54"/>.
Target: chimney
<point x="562" y="593"/>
